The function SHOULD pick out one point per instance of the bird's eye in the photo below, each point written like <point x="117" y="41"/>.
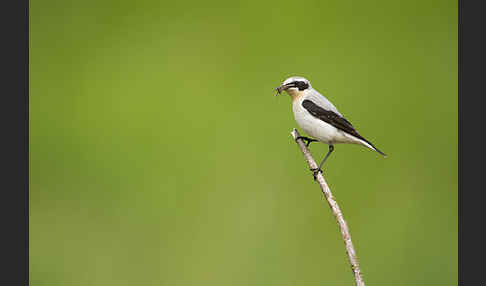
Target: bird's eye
<point x="301" y="85"/>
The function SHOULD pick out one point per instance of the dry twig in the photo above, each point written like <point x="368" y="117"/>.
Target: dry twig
<point x="336" y="211"/>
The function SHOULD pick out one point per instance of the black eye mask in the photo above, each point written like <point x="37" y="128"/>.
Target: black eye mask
<point x="301" y="85"/>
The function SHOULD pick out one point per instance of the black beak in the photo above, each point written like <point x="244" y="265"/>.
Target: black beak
<point x="282" y="88"/>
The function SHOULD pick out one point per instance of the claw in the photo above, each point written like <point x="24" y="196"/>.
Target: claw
<point x="307" y="139"/>
<point x="316" y="171"/>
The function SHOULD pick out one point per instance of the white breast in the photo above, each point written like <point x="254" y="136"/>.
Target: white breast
<point x="317" y="128"/>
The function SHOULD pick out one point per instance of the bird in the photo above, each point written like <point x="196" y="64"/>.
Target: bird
<point x="320" y="119"/>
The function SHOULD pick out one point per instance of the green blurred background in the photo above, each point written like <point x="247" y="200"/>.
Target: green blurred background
<point x="159" y="155"/>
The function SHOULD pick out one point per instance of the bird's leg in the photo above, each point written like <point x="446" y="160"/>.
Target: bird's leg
<point x="307" y="139"/>
<point x="316" y="171"/>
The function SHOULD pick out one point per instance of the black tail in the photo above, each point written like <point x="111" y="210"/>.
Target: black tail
<point x="373" y="146"/>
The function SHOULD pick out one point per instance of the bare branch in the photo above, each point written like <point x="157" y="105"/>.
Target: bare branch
<point x="336" y="211"/>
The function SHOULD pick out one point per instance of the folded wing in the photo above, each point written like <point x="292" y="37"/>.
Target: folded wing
<point x="335" y="120"/>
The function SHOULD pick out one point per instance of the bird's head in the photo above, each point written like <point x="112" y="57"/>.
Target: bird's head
<point x="294" y="86"/>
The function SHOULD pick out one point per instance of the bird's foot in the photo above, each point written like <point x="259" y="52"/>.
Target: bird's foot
<point x="316" y="171"/>
<point x="307" y="139"/>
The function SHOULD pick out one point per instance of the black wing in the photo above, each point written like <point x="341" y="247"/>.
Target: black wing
<point x="335" y="120"/>
<point x="332" y="118"/>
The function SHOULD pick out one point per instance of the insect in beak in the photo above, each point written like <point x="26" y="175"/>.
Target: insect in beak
<point x="281" y="88"/>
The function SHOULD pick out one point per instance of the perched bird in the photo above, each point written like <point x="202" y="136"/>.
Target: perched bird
<point x="319" y="118"/>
